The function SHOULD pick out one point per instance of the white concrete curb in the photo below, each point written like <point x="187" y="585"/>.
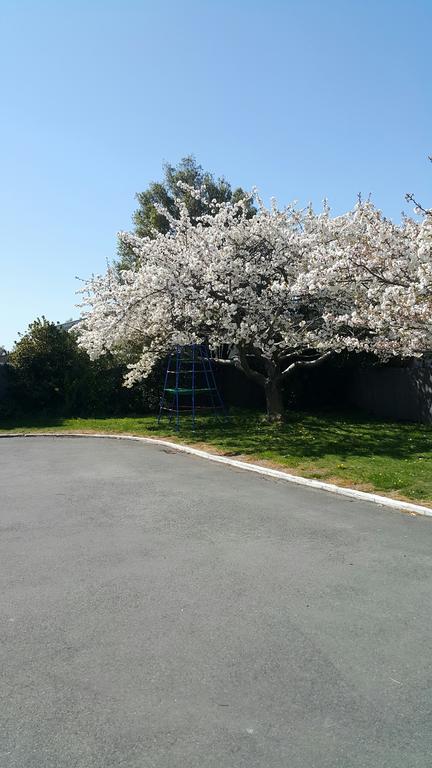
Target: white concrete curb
<point x="384" y="501"/>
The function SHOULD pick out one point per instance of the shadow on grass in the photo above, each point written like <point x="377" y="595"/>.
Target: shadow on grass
<point x="301" y="434"/>
<point x="314" y="435"/>
<point x="31" y="422"/>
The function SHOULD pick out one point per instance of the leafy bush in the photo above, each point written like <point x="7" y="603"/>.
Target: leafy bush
<point x="48" y="373"/>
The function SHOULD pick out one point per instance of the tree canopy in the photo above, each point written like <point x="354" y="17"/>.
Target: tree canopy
<point x="48" y="367"/>
<point x="166" y="195"/>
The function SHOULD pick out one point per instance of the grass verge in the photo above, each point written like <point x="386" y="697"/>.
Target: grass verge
<point x="394" y="459"/>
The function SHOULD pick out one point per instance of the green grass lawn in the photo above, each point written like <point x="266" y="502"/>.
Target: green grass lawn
<point x="391" y="458"/>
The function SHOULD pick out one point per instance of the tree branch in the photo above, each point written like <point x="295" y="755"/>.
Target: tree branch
<point x="411" y="199"/>
<point x="240" y="361"/>
<point x="223" y="361"/>
<point x="245" y="367"/>
<point x="306" y="363"/>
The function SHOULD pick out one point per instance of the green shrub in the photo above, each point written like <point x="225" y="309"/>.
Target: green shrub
<point x="49" y="374"/>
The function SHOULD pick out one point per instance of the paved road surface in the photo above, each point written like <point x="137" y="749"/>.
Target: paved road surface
<point x="160" y="611"/>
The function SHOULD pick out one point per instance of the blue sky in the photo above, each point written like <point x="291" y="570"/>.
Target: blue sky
<point x="302" y="99"/>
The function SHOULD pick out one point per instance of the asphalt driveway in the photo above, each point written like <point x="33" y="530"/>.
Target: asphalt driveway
<point x="161" y="611"/>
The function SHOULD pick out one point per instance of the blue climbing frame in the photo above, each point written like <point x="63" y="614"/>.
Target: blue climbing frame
<point x="190" y="386"/>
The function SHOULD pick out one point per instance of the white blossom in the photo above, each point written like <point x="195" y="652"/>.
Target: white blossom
<point x="283" y="288"/>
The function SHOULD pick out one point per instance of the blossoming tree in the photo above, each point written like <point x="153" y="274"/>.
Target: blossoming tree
<point x="282" y="290"/>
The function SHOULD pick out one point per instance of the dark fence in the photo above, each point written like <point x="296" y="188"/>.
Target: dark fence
<point x="237" y="390"/>
<point x="399" y="393"/>
<point x="403" y="394"/>
<point x="324" y="387"/>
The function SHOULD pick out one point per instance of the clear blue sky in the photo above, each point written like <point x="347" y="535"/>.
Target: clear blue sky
<point x="302" y="99"/>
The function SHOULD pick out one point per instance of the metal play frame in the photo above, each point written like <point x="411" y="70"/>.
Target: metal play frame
<point x="190" y="385"/>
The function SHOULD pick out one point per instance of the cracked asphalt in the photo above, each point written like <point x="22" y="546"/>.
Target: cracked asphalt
<point x="161" y="611"/>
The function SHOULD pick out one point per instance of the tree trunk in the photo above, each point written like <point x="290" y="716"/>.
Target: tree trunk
<point x="274" y="400"/>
